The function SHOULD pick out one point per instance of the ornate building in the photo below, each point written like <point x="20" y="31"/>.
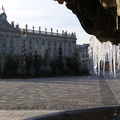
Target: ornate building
<point x="83" y="53"/>
<point x="11" y="40"/>
<point x="36" y="40"/>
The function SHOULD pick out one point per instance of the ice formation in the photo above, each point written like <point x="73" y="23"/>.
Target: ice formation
<point x="101" y="54"/>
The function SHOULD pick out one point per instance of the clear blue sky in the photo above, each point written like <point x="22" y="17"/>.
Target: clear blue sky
<point x="45" y="13"/>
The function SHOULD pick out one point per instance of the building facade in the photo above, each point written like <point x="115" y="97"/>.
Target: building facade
<point x="83" y="53"/>
<point x="36" y="40"/>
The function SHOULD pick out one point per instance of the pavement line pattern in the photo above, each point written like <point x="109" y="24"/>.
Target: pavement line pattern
<point x="23" y="114"/>
<point x="21" y="99"/>
<point x="50" y="93"/>
<point x="107" y="96"/>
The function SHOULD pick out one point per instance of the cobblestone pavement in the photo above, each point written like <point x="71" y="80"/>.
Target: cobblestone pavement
<point x="23" y="114"/>
<point x="50" y="93"/>
<point x="56" y="94"/>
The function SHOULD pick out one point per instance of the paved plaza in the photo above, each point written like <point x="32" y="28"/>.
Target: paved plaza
<point x="25" y="98"/>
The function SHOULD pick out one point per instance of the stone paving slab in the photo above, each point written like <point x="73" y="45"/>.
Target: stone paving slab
<point x="50" y="93"/>
<point x="114" y="84"/>
<point x="23" y="114"/>
<point x="20" y="99"/>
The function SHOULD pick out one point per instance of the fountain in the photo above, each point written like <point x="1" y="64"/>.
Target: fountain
<point x="101" y="113"/>
<point x="102" y="19"/>
<point x="101" y="54"/>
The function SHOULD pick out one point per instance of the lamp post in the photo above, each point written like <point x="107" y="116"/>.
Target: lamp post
<point x="24" y="74"/>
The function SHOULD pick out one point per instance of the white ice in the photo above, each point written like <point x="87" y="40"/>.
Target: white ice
<point x="102" y="53"/>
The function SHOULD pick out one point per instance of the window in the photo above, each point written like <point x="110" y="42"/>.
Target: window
<point x="43" y="42"/>
<point x="30" y="41"/>
<point x="86" y="55"/>
<point x="49" y="43"/>
<point x="11" y="50"/>
<point x="11" y="40"/>
<point x="83" y="61"/>
<point x="69" y="52"/>
<point x="55" y="52"/>
<point x="48" y="51"/>
<point x="3" y="50"/>
<point x="69" y="44"/>
<point x="37" y="41"/>
<point x="54" y="43"/>
<point x="3" y="39"/>
<point x="60" y="43"/>
<point x="30" y="49"/>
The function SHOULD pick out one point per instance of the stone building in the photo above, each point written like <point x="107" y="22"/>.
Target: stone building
<point x="36" y="40"/>
<point x="83" y="53"/>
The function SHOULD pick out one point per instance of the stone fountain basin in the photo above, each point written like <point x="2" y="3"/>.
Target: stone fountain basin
<point x="100" y="113"/>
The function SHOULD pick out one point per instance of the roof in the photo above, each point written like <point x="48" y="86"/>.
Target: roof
<point x="5" y="26"/>
<point x="81" y="47"/>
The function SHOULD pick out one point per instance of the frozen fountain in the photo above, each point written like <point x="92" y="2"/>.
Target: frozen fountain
<point x="101" y="113"/>
<point x="100" y="54"/>
<point x="98" y="21"/>
<point x="104" y="53"/>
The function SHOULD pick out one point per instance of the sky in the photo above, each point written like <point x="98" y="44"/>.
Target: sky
<point x="46" y="14"/>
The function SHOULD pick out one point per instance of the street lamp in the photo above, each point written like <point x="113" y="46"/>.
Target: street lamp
<point x="24" y="73"/>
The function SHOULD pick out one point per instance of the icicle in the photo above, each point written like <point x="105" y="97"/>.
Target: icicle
<point x="114" y="62"/>
<point x="110" y="59"/>
<point x="118" y="57"/>
<point x="104" y="57"/>
<point x="116" y="22"/>
<point x="100" y="53"/>
<point x="94" y="55"/>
